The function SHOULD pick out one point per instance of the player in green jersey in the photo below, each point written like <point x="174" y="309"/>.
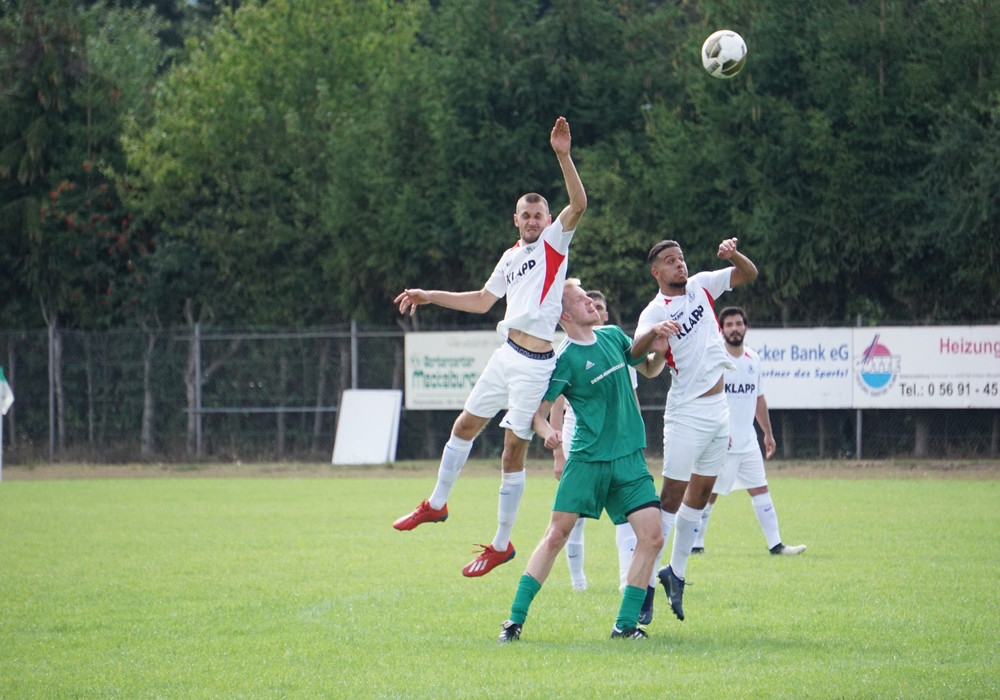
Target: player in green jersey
<point x="606" y="469"/>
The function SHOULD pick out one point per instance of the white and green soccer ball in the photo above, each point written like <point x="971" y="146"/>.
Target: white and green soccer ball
<point x="724" y="54"/>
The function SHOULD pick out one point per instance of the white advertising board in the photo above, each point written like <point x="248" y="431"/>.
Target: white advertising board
<point x="367" y="427"/>
<point x="927" y="367"/>
<point x="804" y="367"/>
<point x="441" y="368"/>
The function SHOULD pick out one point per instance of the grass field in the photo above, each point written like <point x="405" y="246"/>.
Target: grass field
<point x="298" y="587"/>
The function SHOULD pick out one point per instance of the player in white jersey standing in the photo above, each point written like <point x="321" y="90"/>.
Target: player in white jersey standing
<point x="744" y="467"/>
<point x="531" y="276"/>
<point x="696" y="418"/>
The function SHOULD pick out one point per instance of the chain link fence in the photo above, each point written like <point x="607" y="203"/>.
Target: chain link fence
<point x="198" y="394"/>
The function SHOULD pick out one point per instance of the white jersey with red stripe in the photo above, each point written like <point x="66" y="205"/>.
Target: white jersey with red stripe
<point x="697" y="356"/>
<point x="531" y="277"/>
<point x="743" y="385"/>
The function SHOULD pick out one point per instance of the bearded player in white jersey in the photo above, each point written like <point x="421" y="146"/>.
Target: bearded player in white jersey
<point x="744" y="467"/>
<point x="531" y="275"/>
<point x="696" y="419"/>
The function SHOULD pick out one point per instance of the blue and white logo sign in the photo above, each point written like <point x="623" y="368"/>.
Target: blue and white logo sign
<point x="877" y="368"/>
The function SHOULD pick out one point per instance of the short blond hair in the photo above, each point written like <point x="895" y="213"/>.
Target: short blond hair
<point x="570" y="282"/>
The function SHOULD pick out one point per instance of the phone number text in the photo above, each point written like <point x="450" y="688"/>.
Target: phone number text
<point x="919" y="389"/>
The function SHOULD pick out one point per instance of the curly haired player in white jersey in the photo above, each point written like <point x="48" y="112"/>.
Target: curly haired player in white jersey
<point x="744" y="467"/>
<point x="696" y="418"/>
<point x="531" y="276"/>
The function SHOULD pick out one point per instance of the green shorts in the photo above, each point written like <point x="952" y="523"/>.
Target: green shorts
<point x="619" y="487"/>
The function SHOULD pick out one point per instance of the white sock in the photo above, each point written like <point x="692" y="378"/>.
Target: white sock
<point x="625" y="539"/>
<point x="511" y="490"/>
<point x="763" y="508"/>
<point x="453" y="458"/>
<point x="667" y="524"/>
<point x="699" y="541"/>
<point x="574" y="553"/>
<point x="686" y="530"/>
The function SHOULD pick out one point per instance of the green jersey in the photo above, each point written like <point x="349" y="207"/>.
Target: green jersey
<point x="594" y="378"/>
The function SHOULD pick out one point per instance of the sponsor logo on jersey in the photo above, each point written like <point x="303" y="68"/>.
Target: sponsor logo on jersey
<point x="692" y="321"/>
<point x="606" y="372"/>
<point x="524" y="269"/>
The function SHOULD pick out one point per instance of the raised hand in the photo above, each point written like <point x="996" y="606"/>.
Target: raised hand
<point x="727" y="248"/>
<point x="560" y="137"/>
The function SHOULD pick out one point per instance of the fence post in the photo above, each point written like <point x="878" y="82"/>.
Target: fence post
<point x="197" y="390"/>
<point x="354" y="354"/>
<point x="52" y="391"/>
<point x="857" y="422"/>
<point x="857" y="435"/>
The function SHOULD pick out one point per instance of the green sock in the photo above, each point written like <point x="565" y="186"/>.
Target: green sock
<point x="628" y="613"/>
<point x="526" y="590"/>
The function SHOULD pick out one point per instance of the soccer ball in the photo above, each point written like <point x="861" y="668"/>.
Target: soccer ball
<point x="724" y="54"/>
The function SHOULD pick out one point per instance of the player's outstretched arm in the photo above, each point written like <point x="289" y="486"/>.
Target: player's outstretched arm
<point x="560" y="140"/>
<point x="743" y="268"/>
<point x="478" y="302"/>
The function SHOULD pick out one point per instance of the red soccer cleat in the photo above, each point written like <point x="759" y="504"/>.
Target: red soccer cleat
<point x="488" y="560"/>
<point x="423" y="514"/>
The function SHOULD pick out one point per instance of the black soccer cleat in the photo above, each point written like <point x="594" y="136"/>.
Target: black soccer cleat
<point x="675" y="590"/>
<point x="782" y="549"/>
<point x="511" y="632"/>
<point x="634" y="633"/>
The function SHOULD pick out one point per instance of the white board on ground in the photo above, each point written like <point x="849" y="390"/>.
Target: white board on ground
<point x="367" y="426"/>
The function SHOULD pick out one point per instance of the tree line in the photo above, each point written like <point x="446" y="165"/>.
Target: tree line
<point x="299" y="162"/>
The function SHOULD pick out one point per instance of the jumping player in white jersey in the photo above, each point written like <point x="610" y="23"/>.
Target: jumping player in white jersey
<point x="696" y="419"/>
<point x="744" y="467"/>
<point x="531" y="276"/>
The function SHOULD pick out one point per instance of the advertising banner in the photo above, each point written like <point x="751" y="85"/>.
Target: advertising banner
<point x="804" y="367"/>
<point x="927" y="367"/>
<point x="441" y="368"/>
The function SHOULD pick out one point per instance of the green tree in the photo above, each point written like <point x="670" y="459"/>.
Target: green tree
<point x="460" y="128"/>
<point x="822" y="153"/>
<point x="40" y="54"/>
<point x="71" y="77"/>
<point x="236" y="160"/>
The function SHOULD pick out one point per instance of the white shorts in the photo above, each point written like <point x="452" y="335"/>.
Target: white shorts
<point x="513" y="382"/>
<point x="742" y="471"/>
<point x="695" y="437"/>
